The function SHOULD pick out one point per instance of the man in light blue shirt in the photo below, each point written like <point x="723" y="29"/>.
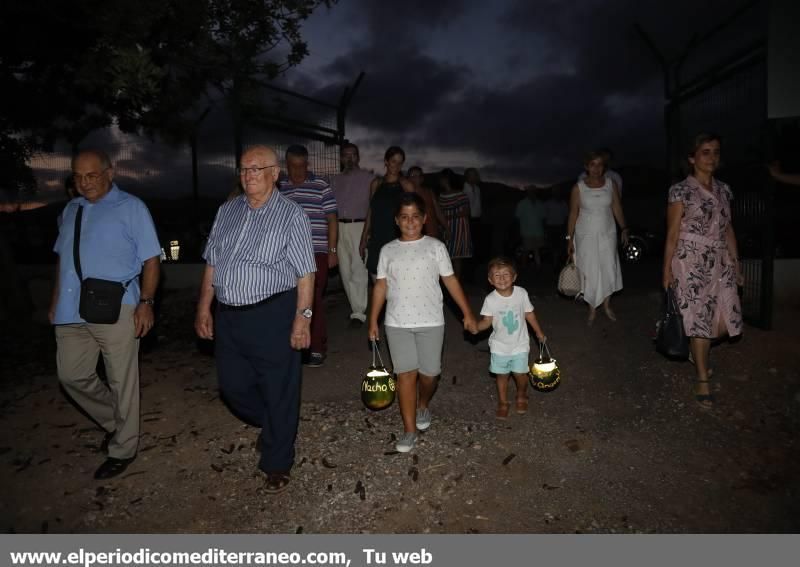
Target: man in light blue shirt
<point x="117" y="242"/>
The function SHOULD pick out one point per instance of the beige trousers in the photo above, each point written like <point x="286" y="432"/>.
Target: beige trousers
<point x="114" y="406"/>
<point x="352" y="269"/>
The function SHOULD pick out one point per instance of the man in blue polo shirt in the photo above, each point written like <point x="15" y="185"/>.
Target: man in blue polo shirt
<point x="117" y="242"/>
<point x="314" y="195"/>
<point x="260" y="265"/>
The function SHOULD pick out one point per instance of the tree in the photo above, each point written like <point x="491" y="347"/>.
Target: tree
<point x="149" y="66"/>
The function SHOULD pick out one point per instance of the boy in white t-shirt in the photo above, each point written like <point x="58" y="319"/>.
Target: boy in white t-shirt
<point x="506" y="310"/>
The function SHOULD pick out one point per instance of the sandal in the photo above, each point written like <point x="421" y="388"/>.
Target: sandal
<point x="276" y="483"/>
<point x="522" y="406"/>
<point x="502" y="411"/>
<point x="705" y="401"/>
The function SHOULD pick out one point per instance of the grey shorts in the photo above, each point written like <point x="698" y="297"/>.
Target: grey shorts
<point x="418" y="348"/>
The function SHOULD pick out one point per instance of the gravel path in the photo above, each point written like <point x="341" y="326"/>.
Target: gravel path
<point x="620" y="446"/>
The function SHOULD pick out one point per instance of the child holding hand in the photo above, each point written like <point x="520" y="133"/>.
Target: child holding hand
<point x="508" y="310"/>
<point x="409" y="271"/>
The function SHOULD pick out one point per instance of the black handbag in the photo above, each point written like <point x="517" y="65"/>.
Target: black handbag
<point x="671" y="339"/>
<point x="101" y="300"/>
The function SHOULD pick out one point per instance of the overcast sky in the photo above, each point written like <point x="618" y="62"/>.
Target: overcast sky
<point x="520" y="89"/>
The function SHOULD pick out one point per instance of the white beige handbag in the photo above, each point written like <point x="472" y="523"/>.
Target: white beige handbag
<point x="569" y="280"/>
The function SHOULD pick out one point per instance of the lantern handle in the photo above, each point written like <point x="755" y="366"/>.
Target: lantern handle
<point x="376" y="351"/>
<point x="544" y="349"/>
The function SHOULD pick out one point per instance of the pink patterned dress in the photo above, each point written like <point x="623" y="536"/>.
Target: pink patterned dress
<point x="703" y="270"/>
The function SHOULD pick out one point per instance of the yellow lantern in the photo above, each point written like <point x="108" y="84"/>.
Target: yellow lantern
<point x="544" y="374"/>
<point x="378" y="386"/>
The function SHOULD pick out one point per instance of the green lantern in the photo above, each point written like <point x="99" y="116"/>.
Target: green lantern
<point x="378" y="386"/>
<point x="544" y="374"/>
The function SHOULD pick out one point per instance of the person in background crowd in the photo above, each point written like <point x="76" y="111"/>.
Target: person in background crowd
<point x="455" y="206"/>
<point x="351" y="189"/>
<point x="555" y="225"/>
<point x="530" y="216"/>
<point x="472" y="189"/>
<point x="778" y="174"/>
<point x="608" y="156"/>
<point x="435" y="223"/>
<point x="701" y="263"/>
<point x="116" y="241"/>
<point x="314" y="195"/>
<point x="592" y="236"/>
<point x="385" y="193"/>
<point x="260" y="266"/>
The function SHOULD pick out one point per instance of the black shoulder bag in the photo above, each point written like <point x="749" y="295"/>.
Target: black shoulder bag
<point x="101" y="300"/>
<point x="671" y="339"/>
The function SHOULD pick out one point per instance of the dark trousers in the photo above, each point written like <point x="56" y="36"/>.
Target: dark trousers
<point x="259" y="373"/>
<point x="319" y="323"/>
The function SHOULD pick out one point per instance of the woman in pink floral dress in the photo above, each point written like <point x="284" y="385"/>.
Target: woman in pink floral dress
<point x="700" y="259"/>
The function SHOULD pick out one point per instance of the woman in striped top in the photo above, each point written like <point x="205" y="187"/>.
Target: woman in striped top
<point x="455" y="206"/>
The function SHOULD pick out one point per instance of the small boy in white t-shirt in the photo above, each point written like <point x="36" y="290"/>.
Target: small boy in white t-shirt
<point x="506" y="310"/>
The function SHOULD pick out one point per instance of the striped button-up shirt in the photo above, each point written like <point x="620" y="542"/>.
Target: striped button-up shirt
<point x="257" y="253"/>
<point x="315" y="196"/>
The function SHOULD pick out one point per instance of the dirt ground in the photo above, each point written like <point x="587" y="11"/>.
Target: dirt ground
<point x="619" y="447"/>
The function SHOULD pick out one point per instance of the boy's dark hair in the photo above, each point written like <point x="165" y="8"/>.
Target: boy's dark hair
<point x="408" y="199"/>
<point x="502" y="262"/>
<point x="297" y="150"/>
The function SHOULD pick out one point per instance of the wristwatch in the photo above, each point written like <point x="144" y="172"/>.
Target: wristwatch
<point x="332" y="250"/>
<point x="147" y="300"/>
<point x="307" y="313"/>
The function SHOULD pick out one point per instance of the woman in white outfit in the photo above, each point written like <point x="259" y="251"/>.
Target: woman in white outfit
<point x="592" y="235"/>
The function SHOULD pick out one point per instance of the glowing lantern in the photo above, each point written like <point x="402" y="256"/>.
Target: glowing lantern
<point x="378" y="386"/>
<point x="544" y="375"/>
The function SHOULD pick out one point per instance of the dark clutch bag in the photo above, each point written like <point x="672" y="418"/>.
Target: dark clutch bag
<point x="101" y="301"/>
<point x="671" y="339"/>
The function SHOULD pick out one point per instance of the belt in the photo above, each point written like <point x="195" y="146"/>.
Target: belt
<point x="225" y="307"/>
<point x="351" y="220"/>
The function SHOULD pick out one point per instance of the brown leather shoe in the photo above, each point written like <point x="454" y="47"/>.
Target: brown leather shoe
<point x="277" y="483"/>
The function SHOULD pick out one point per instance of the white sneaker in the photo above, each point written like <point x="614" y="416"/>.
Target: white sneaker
<point x="423" y="419"/>
<point x="406" y="442"/>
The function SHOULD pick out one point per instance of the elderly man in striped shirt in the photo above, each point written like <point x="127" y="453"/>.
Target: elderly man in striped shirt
<point x="314" y="195"/>
<point x="260" y="265"/>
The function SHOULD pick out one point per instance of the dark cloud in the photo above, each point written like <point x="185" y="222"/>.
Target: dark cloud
<point x="519" y="88"/>
<point x="567" y="77"/>
<point x="399" y="92"/>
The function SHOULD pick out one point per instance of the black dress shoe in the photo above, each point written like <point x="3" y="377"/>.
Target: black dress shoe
<point x="109" y="435"/>
<point x="112" y="467"/>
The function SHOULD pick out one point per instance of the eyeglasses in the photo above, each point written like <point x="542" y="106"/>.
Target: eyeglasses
<point x="254" y="170"/>
<point x="89" y="177"/>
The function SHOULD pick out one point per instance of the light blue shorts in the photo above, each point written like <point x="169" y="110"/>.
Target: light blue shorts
<point x="505" y="363"/>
